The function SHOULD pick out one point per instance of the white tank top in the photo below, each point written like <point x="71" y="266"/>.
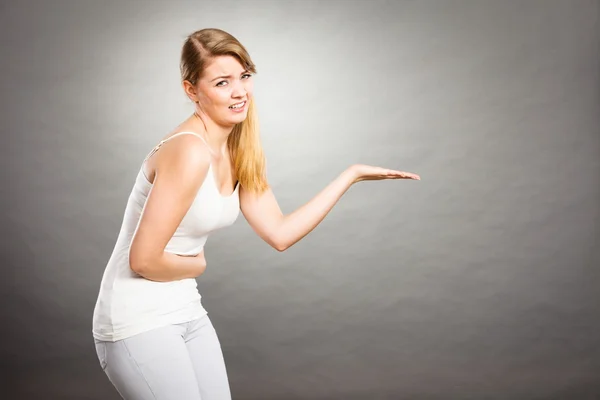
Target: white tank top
<point x="129" y="304"/>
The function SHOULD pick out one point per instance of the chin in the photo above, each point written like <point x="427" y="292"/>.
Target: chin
<point x="236" y="119"/>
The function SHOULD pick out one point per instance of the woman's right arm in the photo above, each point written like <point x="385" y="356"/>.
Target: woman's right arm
<point x="180" y="170"/>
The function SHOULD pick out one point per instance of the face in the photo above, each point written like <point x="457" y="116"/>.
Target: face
<point x="225" y="83"/>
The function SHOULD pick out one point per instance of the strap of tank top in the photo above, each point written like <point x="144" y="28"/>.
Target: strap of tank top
<point x="171" y="137"/>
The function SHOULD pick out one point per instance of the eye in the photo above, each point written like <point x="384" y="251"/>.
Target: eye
<point x="245" y="75"/>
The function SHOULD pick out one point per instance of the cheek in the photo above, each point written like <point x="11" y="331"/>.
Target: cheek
<point x="220" y="98"/>
<point x="249" y="87"/>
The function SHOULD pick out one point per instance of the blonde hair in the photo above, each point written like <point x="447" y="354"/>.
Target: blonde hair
<point x="244" y="140"/>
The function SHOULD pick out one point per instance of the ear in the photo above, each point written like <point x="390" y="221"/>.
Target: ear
<point x="190" y="90"/>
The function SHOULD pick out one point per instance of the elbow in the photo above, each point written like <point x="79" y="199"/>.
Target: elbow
<point x="142" y="259"/>
<point x="280" y="248"/>
<point x="279" y="245"/>
<point x="137" y="264"/>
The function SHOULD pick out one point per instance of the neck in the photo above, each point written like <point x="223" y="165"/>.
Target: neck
<point x="216" y="135"/>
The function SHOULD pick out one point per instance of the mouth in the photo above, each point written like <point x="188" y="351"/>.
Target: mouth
<point x="238" y="106"/>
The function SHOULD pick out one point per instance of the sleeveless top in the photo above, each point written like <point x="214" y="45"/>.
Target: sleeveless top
<point x="129" y="304"/>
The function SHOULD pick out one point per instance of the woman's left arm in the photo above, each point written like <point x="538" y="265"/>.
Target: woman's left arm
<point x="282" y="231"/>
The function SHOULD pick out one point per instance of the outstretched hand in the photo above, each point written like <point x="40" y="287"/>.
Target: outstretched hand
<point x="363" y="172"/>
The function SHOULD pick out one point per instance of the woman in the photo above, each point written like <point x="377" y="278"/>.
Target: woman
<point x="153" y="337"/>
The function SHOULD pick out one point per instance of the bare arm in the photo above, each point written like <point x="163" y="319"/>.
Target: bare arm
<point x="282" y="231"/>
<point x="180" y="170"/>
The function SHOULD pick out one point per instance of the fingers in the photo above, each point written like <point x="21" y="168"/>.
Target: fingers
<point x="403" y="175"/>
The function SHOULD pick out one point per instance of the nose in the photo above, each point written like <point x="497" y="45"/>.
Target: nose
<point x="239" y="89"/>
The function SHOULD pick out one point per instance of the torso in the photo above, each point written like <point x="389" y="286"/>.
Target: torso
<point x="222" y="169"/>
<point x="127" y="304"/>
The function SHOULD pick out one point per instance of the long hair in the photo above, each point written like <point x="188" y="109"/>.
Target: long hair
<point x="243" y="142"/>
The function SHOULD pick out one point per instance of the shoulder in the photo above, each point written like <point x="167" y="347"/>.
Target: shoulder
<point x="185" y="147"/>
<point x="185" y="155"/>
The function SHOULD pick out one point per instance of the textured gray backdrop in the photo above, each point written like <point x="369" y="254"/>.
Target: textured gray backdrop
<point x="478" y="282"/>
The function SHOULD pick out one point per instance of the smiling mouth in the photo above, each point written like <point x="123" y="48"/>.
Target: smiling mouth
<point x="238" y="105"/>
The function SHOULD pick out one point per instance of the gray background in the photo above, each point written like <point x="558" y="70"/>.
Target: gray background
<point x="478" y="282"/>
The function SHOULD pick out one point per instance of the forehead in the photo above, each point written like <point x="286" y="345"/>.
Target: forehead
<point x="223" y="65"/>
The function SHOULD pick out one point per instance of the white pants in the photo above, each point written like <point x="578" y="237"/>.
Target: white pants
<point x="176" y="362"/>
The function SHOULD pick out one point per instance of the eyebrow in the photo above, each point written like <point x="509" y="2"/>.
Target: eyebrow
<point x="228" y="76"/>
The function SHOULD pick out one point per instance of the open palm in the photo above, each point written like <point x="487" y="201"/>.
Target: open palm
<point x="364" y="172"/>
